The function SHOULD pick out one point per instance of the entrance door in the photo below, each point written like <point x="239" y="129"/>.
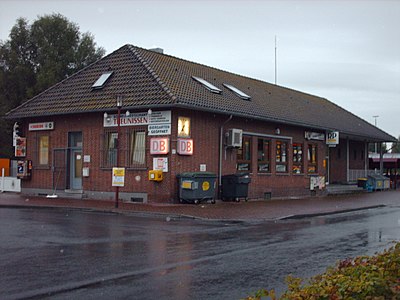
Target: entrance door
<point x="75" y="160"/>
<point x="76" y="170"/>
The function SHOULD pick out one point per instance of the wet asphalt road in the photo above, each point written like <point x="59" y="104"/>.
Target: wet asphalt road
<point x="71" y="254"/>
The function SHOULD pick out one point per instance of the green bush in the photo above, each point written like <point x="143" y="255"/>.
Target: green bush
<point x="364" y="277"/>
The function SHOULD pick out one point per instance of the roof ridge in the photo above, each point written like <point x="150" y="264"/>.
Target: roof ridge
<point x="153" y="73"/>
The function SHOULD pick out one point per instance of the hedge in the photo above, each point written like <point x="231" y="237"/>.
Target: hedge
<point x="364" y="277"/>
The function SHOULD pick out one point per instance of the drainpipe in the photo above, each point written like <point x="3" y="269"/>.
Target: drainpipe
<point x="348" y="160"/>
<point x="381" y="158"/>
<point x="221" y="148"/>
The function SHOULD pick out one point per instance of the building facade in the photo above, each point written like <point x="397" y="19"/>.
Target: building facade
<point x="177" y="116"/>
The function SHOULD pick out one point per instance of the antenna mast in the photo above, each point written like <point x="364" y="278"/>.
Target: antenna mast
<point x="276" y="66"/>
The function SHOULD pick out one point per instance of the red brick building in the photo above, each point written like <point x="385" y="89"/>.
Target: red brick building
<point x="183" y="117"/>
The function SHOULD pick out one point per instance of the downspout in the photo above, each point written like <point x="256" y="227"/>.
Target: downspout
<point x="221" y="146"/>
<point x="381" y="158"/>
<point x="366" y="159"/>
<point x="348" y="160"/>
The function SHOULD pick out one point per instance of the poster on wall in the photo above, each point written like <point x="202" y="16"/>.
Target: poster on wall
<point x="118" y="176"/>
<point x="160" y="163"/>
<point x="20" y="147"/>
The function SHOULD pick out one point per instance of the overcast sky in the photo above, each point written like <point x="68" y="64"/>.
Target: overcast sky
<point x="345" y="51"/>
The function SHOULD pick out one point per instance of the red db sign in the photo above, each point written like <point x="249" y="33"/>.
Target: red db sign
<point x="159" y="146"/>
<point x="185" y="147"/>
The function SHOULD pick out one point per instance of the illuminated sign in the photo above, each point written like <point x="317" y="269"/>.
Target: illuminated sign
<point x="183" y="127"/>
<point x="332" y="138"/>
<point x="159" y="146"/>
<point x="41" y="126"/>
<point x="185" y="147"/>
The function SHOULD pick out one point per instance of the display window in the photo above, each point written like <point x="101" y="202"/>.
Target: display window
<point x="297" y="167"/>
<point x="244" y="155"/>
<point x="263" y="155"/>
<point x="281" y="157"/>
<point x="312" y="153"/>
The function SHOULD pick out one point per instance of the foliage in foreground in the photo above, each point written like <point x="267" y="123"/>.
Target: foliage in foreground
<point x="364" y="277"/>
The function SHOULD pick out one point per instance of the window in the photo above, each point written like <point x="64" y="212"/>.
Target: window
<point x="312" y="158"/>
<point x="110" y="149"/>
<point x="102" y="80"/>
<point x="263" y="155"/>
<point x="237" y="91"/>
<point x="43" y="150"/>
<point x="137" y="148"/>
<point x="297" y="158"/>
<point x="244" y="155"/>
<point x="281" y="157"/>
<point x="212" y="88"/>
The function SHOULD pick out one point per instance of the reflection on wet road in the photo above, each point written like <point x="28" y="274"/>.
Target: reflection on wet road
<point x="64" y="254"/>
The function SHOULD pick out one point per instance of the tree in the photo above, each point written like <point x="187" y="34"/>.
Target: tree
<point x="396" y="146"/>
<point x="36" y="57"/>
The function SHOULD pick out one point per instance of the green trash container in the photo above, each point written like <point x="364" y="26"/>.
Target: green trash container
<point x="195" y="187"/>
<point x="362" y="182"/>
<point x="235" y="186"/>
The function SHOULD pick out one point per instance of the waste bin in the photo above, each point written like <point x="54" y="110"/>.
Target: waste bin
<point x="195" y="187"/>
<point x="362" y="182"/>
<point x="235" y="186"/>
<point x="378" y="182"/>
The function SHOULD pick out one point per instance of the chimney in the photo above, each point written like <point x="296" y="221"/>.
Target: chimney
<point x="158" y="50"/>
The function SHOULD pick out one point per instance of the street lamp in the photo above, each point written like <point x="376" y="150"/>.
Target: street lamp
<point x="375" y="117"/>
<point x="119" y="106"/>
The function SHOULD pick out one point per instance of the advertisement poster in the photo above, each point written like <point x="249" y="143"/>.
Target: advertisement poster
<point x="118" y="176"/>
<point x="20" y="147"/>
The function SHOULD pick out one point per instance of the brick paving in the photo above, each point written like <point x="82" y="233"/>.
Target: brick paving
<point x="245" y="211"/>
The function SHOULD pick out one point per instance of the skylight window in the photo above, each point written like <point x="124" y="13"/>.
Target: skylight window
<point x="212" y="88"/>
<point x="237" y="91"/>
<point x="102" y="80"/>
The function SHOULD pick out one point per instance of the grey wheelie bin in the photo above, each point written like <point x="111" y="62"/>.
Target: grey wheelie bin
<point x="235" y="186"/>
<point x="195" y="187"/>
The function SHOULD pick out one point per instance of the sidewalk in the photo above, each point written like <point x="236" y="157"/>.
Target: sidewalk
<point x="243" y="211"/>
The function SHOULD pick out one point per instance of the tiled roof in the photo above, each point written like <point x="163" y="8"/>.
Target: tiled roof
<point x="149" y="79"/>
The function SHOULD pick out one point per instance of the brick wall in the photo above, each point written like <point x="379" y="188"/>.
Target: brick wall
<point x="205" y="132"/>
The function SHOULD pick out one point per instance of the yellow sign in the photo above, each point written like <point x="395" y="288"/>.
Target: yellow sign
<point x="206" y="186"/>
<point x="118" y="176"/>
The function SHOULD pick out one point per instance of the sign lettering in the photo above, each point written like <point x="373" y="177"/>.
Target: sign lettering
<point x="159" y="146"/>
<point x="185" y="147"/>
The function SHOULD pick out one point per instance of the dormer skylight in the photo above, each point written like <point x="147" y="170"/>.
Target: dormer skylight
<point x="99" y="84"/>
<point x="212" y="88"/>
<point x="237" y="91"/>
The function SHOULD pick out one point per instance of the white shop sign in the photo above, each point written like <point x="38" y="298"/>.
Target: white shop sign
<point x="159" y="129"/>
<point x="137" y="119"/>
<point x="41" y="126"/>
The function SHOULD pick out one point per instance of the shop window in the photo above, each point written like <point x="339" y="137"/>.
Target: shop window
<point x="281" y="157"/>
<point x="137" y="148"/>
<point x="110" y="141"/>
<point x="43" y="142"/>
<point x="263" y="156"/>
<point x="244" y="155"/>
<point x="297" y="158"/>
<point x="312" y="158"/>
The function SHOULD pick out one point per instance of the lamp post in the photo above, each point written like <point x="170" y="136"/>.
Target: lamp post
<point x="375" y="117"/>
<point x="119" y="106"/>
